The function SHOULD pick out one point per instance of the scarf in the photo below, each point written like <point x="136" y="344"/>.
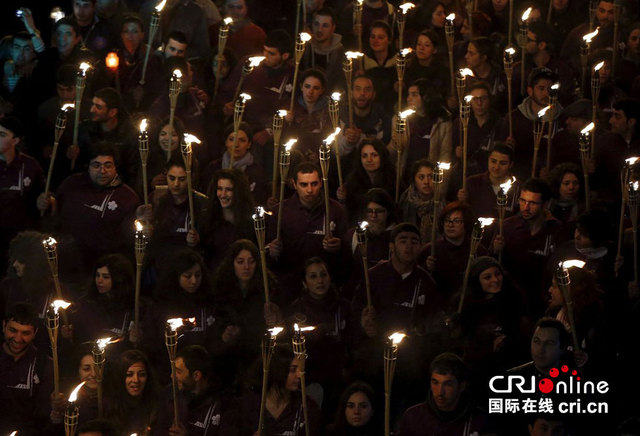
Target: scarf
<point x="239" y="164"/>
<point x="424" y="210"/>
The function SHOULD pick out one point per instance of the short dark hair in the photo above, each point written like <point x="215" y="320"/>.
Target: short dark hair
<point x="104" y="148"/>
<point x="538" y="186"/>
<point x="110" y="96"/>
<point x="381" y="24"/>
<point x="306" y="168"/>
<point x="403" y="227"/>
<point x="175" y="161"/>
<point x="196" y="358"/>
<point x="480" y="84"/>
<point x="540" y="73"/>
<point x="449" y="364"/>
<point x="280" y="40"/>
<point x="544" y="33"/>
<point x="464" y="208"/>
<point x="67" y="21"/>
<point x="312" y="72"/>
<point x="23" y="313"/>
<point x="132" y="17"/>
<point x="630" y="107"/>
<point x="23" y="35"/>
<point x="502" y="148"/>
<point x="105" y="428"/>
<point x="176" y="36"/>
<point x="326" y="12"/>
<point x="552" y="323"/>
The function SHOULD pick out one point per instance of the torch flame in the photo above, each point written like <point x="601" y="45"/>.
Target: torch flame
<point x="484" y="222"/>
<point x="360" y="2"/>
<point x="289" y="145"/>
<point x="406" y="6"/>
<point x="56" y="14"/>
<point x="635" y="185"/>
<point x="543" y="111"/>
<point x="468" y="98"/>
<point x="282" y="113"/>
<point x="174" y="323"/>
<point x="302" y="329"/>
<point x="573" y="262"/>
<point x="189" y="138"/>
<point x="84" y="66"/>
<point x="589" y="127"/>
<point x="67" y="106"/>
<point x="329" y="139"/>
<point x="74" y="395"/>
<point x="444" y="165"/>
<point x="397" y="337"/>
<point x="255" y="61"/>
<point x="139" y="226"/>
<point x="227" y="21"/>
<point x="304" y="37"/>
<point x="161" y="5"/>
<point x="335" y="96"/>
<point x="526" y="14"/>
<point x="405" y="51"/>
<point x="14" y="433"/>
<point x="631" y="160"/>
<point x="555" y="86"/>
<point x="245" y="97"/>
<point x="259" y="213"/>
<point x="598" y="66"/>
<point x="50" y="243"/>
<point x="507" y="185"/>
<point x="143" y="125"/>
<point x="451" y="17"/>
<point x="363" y="225"/>
<point x="57" y="304"/>
<point x="511" y="51"/>
<point x="177" y="73"/>
<point x="465" y="72"/>
<point x="353" y="54"/>
<point x="275" y="331"/>
<point x="406" y="113"/>
<point x="102" y="343"/>
<point x="589" y="36"/>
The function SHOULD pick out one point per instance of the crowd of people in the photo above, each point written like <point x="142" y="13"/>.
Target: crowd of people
<point x="86" y="154"/>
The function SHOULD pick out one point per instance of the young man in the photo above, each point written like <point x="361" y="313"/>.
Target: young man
<point x="325" y="52"/>
<point x="448" y="408"/>
<point x="26" y="376"/>
<point x="94" y="34"/>
<point x="245" y="37"/>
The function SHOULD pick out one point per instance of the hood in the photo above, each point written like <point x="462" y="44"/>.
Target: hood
<point x="527" y="111"/>
<point x="336" y="43"/>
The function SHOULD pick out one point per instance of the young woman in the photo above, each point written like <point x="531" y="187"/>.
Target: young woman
<point x="380" y="63"/>
<point x="132" y="395"/>
<point x="480" y="59"/>
<point x="567" y="202"/>
<point x="630" y="62"/>
<point x="229" y="214"/>
<point x="355" y="413"/>
<point x="427" y="62"/>
<point x="372" y="168"/>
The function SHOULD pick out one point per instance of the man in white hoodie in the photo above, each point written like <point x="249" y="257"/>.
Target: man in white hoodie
<point x="325" y="52"/>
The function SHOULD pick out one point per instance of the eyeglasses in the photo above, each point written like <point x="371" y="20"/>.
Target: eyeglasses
<point x="455" y="221"/>
<point x="378" y="211"/>
<point x="106" y="165"/>
<point x="529" y="203"/>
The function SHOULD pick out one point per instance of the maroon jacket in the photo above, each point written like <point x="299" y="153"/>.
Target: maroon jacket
<point x="483" y="199"/>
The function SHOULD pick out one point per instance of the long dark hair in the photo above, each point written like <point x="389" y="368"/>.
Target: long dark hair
<point x="242" y="206"/>
<point x="168" y="290"/>
<point x="122" y="280"/>
<point x="359" y="176"/>
<point x="340" y="424"/>
<point x="226" y="282"/>
<point x="26" y="248"/>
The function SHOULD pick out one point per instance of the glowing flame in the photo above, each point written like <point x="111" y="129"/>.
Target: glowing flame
<point x="397" y="337"/>
<point x="177" y="74"/>
<point x="189" y="139"/>
<point x="84" y="66"/>
<point x="289" y="145"/>
<point x="102" y="343"/>
<point x="405" y="51"/>
<point x="484" y="222"/>
<point x="360" y="2"/>
<point x="506" y="186"/>
<point x="468" y="98"/>
<point x="59" y="304"/>
<point x="407" y="113"/>
<point x="543" y="111"/>
<point x="143" y="125"/>
<point x="572" y="263"/>
<point x="112" y="60"/>
<point x="526" y="14"/>
<point x="335" y="96"/>
<point x="510" y="51"/>
<point x="589" y="36"/>
<point x="14" y="433"/>
<point x="444" y="165"/>
<point x="406" y="6"/>
<point x="631" y="160"/>
<point x="50" y="243"/>
<point x="304" y="37"/>
<point x="227" y="21"/>
<point x="174" y="323"/>
<point x="138" y="225"/>
<point x="635" y="185"/>
<point x="56" y="14"/>
<point x="259" y="213"/>
<point x="451" y="17"/>
<point x="275" y="331"/>
<point x="589" y="127"/>
<point x="74" y="395"/>
<point x="465" y="72"/>
<point x="161" y="5"/>
<point x="363" y="225"/>
<point x="255" y="61"/>
<point x="555" y="86"/>
<point x="302" y="329"/>
<point x="282" y="113"/>
<point x="353" y="54"/>
<point x="598" y="66"/>
<point x="67" y="106"/>
<point x="245" y="97"/>
<point x="329" y="139"/>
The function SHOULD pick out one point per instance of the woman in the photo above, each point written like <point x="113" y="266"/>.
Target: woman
<point x="380" y="63"/>
<point x="416" y="203"/>
<point x="319" y="305"/>
<point x="355" y="412"/>
<point x="283" y="413"/>
<point x="630" y="63"/>
<point x="310" y="121"/>
<point x="480" y="59"/>
<point x="106" y="308"/>
<point x="132" y="396"/>
<point x="567" y="201"/>
<point x="242" y="160"/>
<point x="427" y="62"/>
<point x="243" y="314"/>
<point x="429" y="128"/>
<point x="372" y="168"/>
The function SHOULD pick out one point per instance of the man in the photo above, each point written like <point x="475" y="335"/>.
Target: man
<point x="529" y="238"/>
<point x="95" y="208"/>
<point x="94" y="34"/>
<point x="26" y="378"/>
<point x="548" y="347"/>
<point x="245" y="37"/>
<point x="109" y="122"/>
<point x="368" y="117"/>
<point x="448" y="408"/>
<point x="303" y="228"/>
<point x="565" y="146"/>
<point x="203" y="409"/>
<point x="402" y="292"/>
<point x="482" y="189"/>
<point x="539" y="85"/>
<point x="21" y="180"/>
<point x="325" y="51"/>
<point x="189" y="18"/>
<point x="175" y="45"/>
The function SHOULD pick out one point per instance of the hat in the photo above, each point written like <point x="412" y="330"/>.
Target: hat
<point x="480" y="264"/>
<point x="540" y="73"/>
<point x="14" y="125"/>
<point x="579" y="109"/>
